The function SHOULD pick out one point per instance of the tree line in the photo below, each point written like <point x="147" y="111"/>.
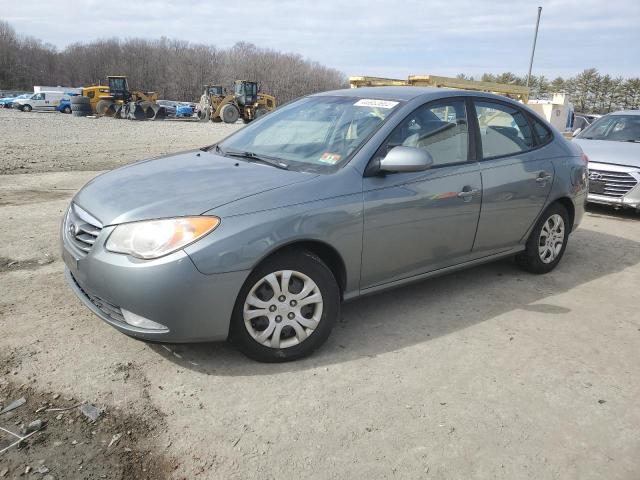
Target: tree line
<point x="176" y="69"/>
<point x="589" y="91"/>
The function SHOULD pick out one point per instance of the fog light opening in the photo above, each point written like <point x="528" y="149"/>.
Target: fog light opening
<point x="140" y="322"/>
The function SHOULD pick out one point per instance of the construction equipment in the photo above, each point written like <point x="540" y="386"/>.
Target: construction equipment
<point x="516" y="92"/>
<point x="120" y="102"/>
<point x="245" y="102"/>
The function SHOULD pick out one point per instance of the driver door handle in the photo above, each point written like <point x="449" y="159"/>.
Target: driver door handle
<point x="467" y="193"/>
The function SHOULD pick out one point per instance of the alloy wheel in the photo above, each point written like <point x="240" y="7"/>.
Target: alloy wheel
<point x="551" y="238"/>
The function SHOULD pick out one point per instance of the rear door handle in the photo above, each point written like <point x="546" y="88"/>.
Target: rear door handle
<point x="543" y="177"/>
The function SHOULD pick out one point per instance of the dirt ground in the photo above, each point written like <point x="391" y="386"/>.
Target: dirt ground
<point x="486" y="373"/>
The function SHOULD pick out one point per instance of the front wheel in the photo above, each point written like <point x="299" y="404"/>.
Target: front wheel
<point x="286" y="308"/>
<point x="547" y="242"/>
<point x="26" y="108"/>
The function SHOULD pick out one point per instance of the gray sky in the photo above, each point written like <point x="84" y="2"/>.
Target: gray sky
<point x="368" y="37"/>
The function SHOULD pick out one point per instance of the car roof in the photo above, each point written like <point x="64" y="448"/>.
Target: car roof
<point x="626" y="112"/>
<point x="408" y="92"/>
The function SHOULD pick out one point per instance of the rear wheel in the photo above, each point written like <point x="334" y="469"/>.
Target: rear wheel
<point x="106" y="108"/>
<point x="286" y="308"/>
<point x="67" y="109"/>
<point x="548" y="241"/>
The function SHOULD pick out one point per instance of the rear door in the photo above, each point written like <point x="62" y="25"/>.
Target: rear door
<point x="516" y="178"/>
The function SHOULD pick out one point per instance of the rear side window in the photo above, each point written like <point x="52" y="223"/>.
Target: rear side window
<point x="543" y="134"/>
<point x="504" y="130"/>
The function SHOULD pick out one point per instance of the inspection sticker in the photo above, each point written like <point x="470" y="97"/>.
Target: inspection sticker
<point x="331" y="158"/>
<point x="370" y="102"/>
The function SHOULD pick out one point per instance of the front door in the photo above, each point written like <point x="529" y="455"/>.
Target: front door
<point x="516" y="176"/>
<point x="421" y="221"/>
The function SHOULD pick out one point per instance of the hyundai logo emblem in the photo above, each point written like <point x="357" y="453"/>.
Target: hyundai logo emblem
<point x="595" y="176"/>
<point x="73" y="230"/>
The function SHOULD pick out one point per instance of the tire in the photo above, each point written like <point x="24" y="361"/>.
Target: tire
<point x="204" y="114"/>
<point x="66" y="109"/>
<point x="317" y="318"/>
<point x="260" y="111"/>
<point x="106" y="108"/>
<point x="552" y="227"/>
<point x="229" y="113"/>
<point x="159" y="112"/>
<point x="79" y="100"/>
<point x="27" y="108"/>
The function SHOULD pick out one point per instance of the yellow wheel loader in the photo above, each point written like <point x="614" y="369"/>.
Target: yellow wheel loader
<point x="245" y="103"/>
<point x="120" y="102"/>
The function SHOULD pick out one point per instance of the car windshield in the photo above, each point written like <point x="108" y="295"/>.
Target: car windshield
<point x="618" y="128"/>
<point x="319" y="131"/>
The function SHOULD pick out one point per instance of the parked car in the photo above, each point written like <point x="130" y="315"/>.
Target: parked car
<point x="185" y="110"/>
<point x="47" y="101"/>
<point x="6" y="102"/>
<point x="170" y="106"/>
<point x="65" y="105"/>
<point x="336" y="195"/>
<point x="612" y="144"/>
<point x="13" y="104"/>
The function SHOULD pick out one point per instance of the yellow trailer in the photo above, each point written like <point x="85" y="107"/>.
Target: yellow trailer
<point x="516" y="92"/>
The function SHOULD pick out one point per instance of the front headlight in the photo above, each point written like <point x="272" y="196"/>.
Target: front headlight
<point x="156" y="238"/>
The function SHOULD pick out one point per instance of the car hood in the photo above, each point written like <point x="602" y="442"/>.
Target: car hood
<point x="607" y="151"/>
<point x="188" y="183"/>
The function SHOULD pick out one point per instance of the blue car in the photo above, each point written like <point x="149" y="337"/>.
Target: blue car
<point x="184" y="110"/>
<point x="5" y="102"/>
<point x="64" y="106"/>
<point x="11" y="101"/>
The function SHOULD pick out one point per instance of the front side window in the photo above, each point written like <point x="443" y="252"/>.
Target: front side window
<point x="316" y="132"/>
<point x="439" y="128"/>
<point x="504" y="130"/>
<point x="618" y="128"/>
<point x="38" y="96"/>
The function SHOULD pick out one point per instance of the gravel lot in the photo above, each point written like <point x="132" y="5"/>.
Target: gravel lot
<point x="487" y="373"/>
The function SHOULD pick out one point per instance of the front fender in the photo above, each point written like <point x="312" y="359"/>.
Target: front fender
<point x="242" y="241"/>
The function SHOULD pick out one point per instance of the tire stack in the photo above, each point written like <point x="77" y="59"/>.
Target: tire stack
<point x="80" y="106"/>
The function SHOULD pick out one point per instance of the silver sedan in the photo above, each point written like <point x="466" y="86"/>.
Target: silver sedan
<point x="612" y="144"/>
<point x="337" y="195"/>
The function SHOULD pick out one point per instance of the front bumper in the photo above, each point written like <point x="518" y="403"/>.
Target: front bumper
<point x="193" y="307"/>
<point x="618" y="180"/>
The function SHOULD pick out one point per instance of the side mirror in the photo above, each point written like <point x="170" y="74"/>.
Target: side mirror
<point x="576" y="131"/>
<point x="406" y="159"/>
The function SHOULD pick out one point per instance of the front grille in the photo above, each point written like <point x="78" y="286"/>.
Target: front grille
<point x="616" y="184"/>
<point x="110" y="310"/>
<point x="81" y="229"/>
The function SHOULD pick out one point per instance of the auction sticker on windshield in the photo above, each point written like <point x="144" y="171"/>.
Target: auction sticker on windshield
<point x="370" y="102"/>
<point x="331" y="158"/>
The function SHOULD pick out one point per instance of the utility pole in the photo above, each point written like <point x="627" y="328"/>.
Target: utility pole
<point x="533" y="49"/>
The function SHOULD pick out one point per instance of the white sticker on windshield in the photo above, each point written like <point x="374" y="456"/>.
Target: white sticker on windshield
<point x="370" y="102"/>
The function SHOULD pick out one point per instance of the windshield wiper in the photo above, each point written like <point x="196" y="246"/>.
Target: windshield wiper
<point x="274" y="162"/>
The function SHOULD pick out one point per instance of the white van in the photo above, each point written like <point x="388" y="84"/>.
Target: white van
<point x="41" y="101"/>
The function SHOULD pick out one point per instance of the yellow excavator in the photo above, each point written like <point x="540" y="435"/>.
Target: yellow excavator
<point x="118" y="101"/>
<point x="246" y="102"/>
